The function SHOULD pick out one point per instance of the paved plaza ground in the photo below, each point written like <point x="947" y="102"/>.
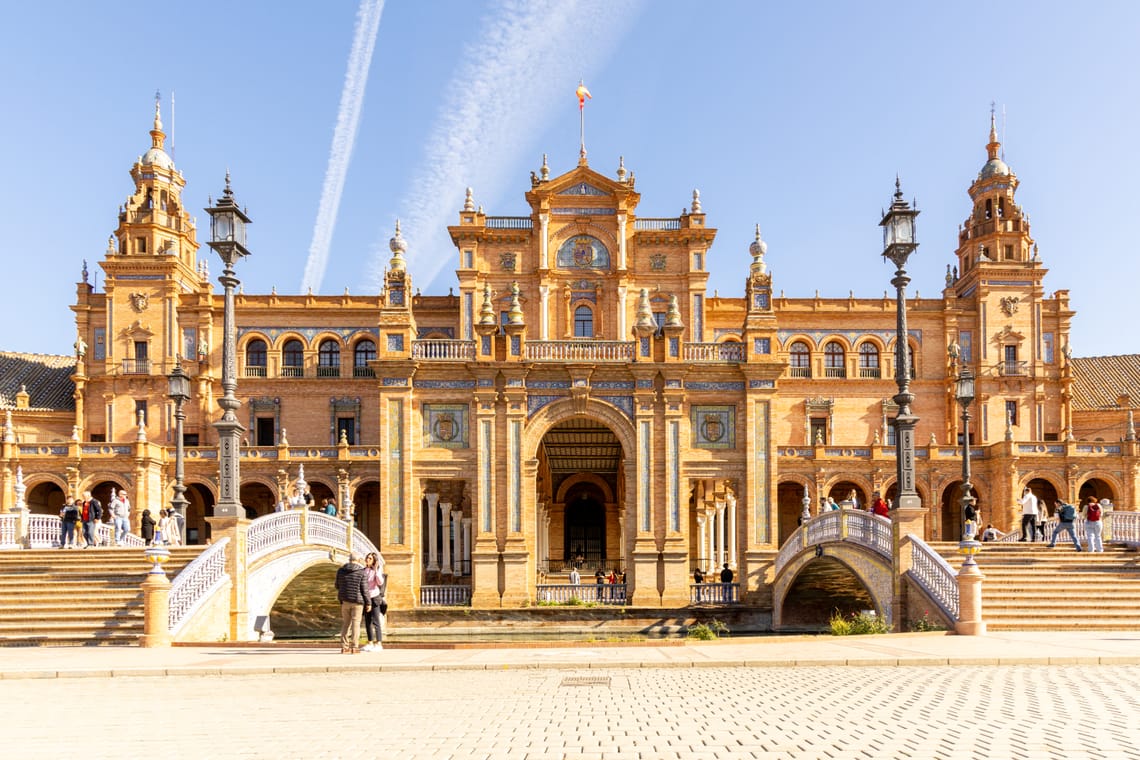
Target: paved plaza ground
<point x="922" y="696"/>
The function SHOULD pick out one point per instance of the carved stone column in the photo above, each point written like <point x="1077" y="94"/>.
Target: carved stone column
<point x="456" y="516"/>
<point x="433" y="533"/>
<point x="730" y="503"/>
<point x="721" y="535"/>
<point x="445" y="563"/>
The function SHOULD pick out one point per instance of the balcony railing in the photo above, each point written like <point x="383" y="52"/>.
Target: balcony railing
<point x="1013" y="368"/>
<point x="363" y="372"/>
<point x="870" y="372"/>
<point x="714" y="352"/>
<point x="657" y="224"/>
<point x="445" y="596"/>
<point x="581" y="351"/>
<point x="443" y="350"/>
<point x="136" y="366"/>
<point x="835" y="372"/>
<point x="799" y="371"/>
<point x="600" y="593"/>
<point x="328" y="371"/>
<point x="254" y="371"/>
<point x="509" y="223"/>
<point x="292" y="371"/>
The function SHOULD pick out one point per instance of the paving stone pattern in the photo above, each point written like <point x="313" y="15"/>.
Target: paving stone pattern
<point x="689" y="713"/>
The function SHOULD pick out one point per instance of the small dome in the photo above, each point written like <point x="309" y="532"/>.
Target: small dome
<point x="397" y="244"/>
<point x="157" y="157"/>
<point x="995" y="167"/>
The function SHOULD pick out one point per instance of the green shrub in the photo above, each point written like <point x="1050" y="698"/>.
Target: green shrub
<point x="857" y="624"/>
<point x="925" y="623"/>
<point x="709" y="631"/>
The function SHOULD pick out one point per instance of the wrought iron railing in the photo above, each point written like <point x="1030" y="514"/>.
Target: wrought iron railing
<point x="363" y="372"/>
<point x="799" y="371"/>
<point x="327" y="371"/>
<point x="934" y="575"/>
<point x="870" y="372"/>
<point x="197" y="581"/>
<point x="292" y="371"/>
<point x="255" y="370"/>
<point x="136" y="366"/>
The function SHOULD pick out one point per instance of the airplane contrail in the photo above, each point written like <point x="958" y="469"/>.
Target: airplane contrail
<point x="497" y="101"/>
<point x="344" y="138"/>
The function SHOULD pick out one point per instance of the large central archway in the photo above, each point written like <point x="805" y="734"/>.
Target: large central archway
<point x="580" y="479"/>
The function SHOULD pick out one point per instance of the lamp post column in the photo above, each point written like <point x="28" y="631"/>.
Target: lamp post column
<point x="179" y="501"/>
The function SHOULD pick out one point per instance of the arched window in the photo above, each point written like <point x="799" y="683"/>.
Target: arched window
<point x="364" y="352"/>
<point x="869" y="360"/>
<point x="583" y="322"/>
<point x="328" y="359"/>
<point x="256" y="354"/>
<point x="293" y="359"/>
<point x="801" y="359"/>
<point x="834" y="360"/>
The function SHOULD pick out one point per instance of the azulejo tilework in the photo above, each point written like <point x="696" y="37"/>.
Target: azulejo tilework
<point x="714" y="427"/>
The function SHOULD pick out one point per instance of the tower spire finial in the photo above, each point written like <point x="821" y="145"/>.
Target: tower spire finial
<point x="993" y="148"/>
<point x="157" y="136"/>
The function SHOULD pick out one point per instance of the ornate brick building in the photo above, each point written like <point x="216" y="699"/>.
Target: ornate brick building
<point x="581" y="394"/>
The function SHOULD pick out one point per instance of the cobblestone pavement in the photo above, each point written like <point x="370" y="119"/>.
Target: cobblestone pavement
<point x="714" y="712"/>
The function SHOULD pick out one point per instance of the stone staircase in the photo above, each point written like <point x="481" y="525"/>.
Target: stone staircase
<point x="1030" y="587"/>
<point x="76" y="597"/>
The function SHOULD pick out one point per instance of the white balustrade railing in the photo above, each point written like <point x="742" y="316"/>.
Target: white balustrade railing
<point x="8" y="526"/>
<point x="327" y="530"/>
<point x="714" y="593"/>
<point x="934" y="575"/>
<point x="598" y="593"/>
<point x="1125" y="526"/>
<point x="581" y="350"/>
<point x="443" y="350"/>
<point x="732" y="351"/>
<point x="852" y="525"/>
<point x="43" y="531"/>
<point x="193" y="586"/>
<point x="273" y="531"/>
<point x="445" y="596"/>
<point x="105" y="536"/>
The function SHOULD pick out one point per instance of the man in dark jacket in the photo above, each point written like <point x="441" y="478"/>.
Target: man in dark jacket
<point x="352" y="593"/>
<point x="92" y="513"/>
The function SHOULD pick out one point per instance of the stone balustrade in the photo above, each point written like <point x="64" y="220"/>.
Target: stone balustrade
<point x="443" y="350"/>
<point x="581" y="351"/>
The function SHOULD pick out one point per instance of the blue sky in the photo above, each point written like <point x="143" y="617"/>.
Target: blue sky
<point x="795" y="116"/>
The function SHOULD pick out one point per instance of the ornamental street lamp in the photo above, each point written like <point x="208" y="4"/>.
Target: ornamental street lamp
<point x="965" y="393"/>
<point x="227" y="237"/>
<point x="898" y="225"/>
<point x="179" y="394"/>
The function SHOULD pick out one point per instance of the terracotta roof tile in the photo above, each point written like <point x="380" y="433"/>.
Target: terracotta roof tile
<point x="46" y="377"/>
<point x="1098" y="381"/>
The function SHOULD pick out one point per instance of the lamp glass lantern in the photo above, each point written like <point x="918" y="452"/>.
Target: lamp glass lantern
<point x="228" y="225"/>
<point x="179" y="384"/>
<point x="899" y="225"/>
<point x="964" y="387"/>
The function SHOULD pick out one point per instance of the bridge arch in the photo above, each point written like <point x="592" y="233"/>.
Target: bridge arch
<point x="855" y="540"/>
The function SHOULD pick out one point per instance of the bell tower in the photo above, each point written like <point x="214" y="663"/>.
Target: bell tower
<point x="996" y="234"/>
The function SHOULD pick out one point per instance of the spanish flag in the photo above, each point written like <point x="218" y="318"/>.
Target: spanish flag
<point x="582" y="94"/>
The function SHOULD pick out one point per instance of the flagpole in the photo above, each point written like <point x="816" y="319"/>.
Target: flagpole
<point x="582" y="130"/>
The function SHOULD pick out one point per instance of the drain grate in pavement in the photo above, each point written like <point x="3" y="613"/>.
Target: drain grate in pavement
<point x="586" y="681"/>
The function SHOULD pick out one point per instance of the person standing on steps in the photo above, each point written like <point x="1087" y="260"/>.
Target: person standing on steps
<point x="92" y="511"/>
<point x="1042" y="519"/>
<point x="146" y="527"/>
<point x="1094" y="524"/>
<point x="69" y="515"/>
<point x="120" y="508"/>
<point x="1066" y="516"/>
<point x="1028" y="514"/>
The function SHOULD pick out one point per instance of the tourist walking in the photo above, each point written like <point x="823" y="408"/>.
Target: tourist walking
<point x="377" y="583"/>
<point x="1094" y="525"/>
<point x="1042" y="519"/>
<point x="146" y="527"/>
<point x="120" y="508"/>
<point x="1028" y="514"/>
<point x="69" y="515"/>
<point x="352" y="593"/>
<point x="881" y="508"/>
<point x="1066" y="515"/>
<point x="91" y="510"/>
